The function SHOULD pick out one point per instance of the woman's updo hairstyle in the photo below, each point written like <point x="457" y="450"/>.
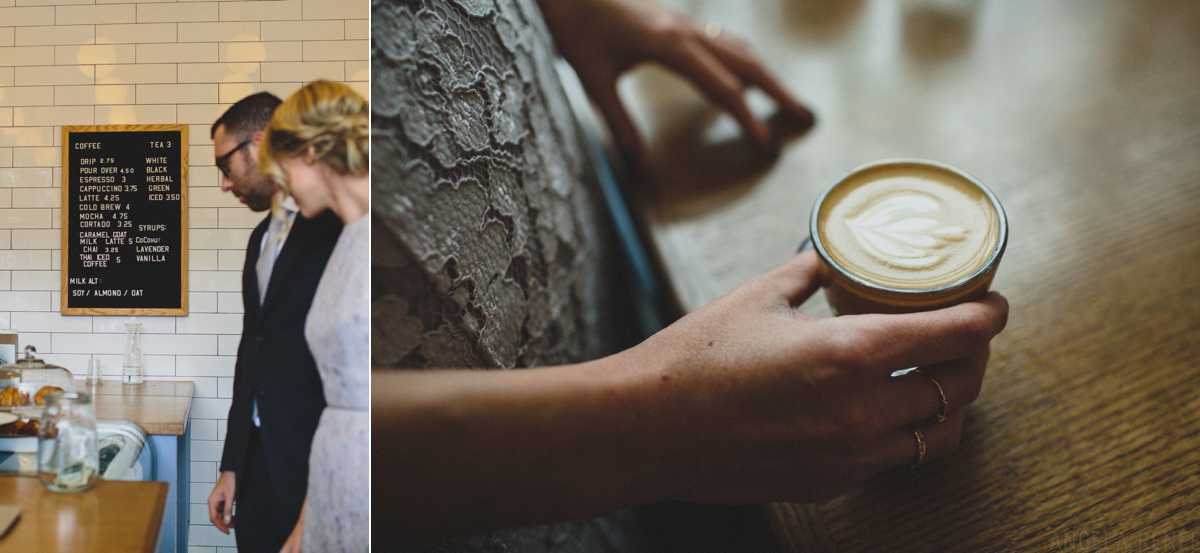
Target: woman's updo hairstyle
<point x="329" y="117"/>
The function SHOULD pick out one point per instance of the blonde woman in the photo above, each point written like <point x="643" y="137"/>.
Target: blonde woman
<point x="317" y="149"/>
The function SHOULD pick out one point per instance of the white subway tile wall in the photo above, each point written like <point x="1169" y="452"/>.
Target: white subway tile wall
<point x="102" y="62"/>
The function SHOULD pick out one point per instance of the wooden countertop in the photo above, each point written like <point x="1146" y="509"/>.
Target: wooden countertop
<point x="159" y="407"/>
<point x="114" y="516"/>
<point x="1084" y="118"/>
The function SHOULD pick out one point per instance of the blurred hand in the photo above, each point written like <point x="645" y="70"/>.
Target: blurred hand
<point x="604" y="38"/>
<point x="220" y="501"/>
<point x="771" y="404"/>
<point x="295" y="540"/>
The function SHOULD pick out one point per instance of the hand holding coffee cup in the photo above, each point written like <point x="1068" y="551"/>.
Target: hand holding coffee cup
<point x="907" y="235"/>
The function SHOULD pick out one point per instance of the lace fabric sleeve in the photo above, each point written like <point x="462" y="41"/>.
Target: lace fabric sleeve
<point x="493" y="246"/>
<point x="410" y="326"/>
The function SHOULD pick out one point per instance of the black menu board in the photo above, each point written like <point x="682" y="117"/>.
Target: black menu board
<point x="125" y="220"/>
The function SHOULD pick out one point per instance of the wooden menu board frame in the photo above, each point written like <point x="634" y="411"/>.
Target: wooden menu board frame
<point x="125" y="220"/>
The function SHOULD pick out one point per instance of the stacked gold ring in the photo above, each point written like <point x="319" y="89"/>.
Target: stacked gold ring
<point x="941" y="416"/>
<point x="920" y="447"/>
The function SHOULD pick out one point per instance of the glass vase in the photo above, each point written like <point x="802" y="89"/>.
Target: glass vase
<point x="133" y="366"/>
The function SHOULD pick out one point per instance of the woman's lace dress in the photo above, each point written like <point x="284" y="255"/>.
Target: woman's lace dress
<point x="494" y="246"/>
<point x="336" y="517"/>
<point x="491" y="247"/>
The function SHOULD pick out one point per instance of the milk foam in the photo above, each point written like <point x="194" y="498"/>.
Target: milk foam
<point x="908" y="226"/>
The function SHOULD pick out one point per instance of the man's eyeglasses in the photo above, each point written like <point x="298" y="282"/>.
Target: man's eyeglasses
<point x="223" y="161"/>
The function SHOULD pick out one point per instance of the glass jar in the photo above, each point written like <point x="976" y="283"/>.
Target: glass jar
<point x="133" y="367"/>
<point x="68" y="456"/>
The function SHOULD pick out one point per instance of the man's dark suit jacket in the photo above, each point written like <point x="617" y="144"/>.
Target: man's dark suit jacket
<point x="274" y="362"/>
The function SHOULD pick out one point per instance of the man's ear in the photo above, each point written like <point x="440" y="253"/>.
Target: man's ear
<point x="257" y="138"/>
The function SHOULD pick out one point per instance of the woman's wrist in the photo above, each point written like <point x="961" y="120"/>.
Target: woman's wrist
<point x="634" y="414"/>
<point x="489" y="449"/>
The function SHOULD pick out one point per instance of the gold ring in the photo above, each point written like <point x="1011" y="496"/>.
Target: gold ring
<point x="712" y="30"/>
<point x="920" y="447"/>
<point x="941" y="416"/>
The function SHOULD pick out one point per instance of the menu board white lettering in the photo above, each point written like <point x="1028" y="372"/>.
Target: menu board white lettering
<point x="124" y="220"/>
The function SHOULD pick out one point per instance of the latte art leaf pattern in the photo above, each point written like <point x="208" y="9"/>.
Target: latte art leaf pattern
<point x="902" y="229"/>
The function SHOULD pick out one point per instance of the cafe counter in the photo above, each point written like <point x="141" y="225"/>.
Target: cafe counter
<point x="113" y="516"/>
<point x="160" y="408"/>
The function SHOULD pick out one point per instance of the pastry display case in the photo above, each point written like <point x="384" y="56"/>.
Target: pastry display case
<point x="23" y="388"/>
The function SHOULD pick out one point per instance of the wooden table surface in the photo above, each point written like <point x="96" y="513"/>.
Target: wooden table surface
<point x="159" y="407"/>
<point x="1084" y="118"/>
<point x="114" y="516"/>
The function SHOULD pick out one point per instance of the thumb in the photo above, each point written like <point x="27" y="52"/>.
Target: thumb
<point x="797" y="279"/>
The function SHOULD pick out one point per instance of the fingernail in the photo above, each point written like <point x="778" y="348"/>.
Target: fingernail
<point x="766" y="140"/>
<point x="811" y="119"/>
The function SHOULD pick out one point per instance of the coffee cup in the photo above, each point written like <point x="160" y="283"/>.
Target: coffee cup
<point x="905" y="235"/>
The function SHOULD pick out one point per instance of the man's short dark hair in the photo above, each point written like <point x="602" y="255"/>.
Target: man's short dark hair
<point x="248" y="116"/>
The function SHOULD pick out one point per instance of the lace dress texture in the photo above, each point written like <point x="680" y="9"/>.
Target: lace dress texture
<point x="336" y="517"/>
<point x="491" y="247"/>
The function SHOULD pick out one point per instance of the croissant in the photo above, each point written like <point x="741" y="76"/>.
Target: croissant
<point x="13" y="397"/>
<point x="29" y="428"/>
<point x="40" y="397"/>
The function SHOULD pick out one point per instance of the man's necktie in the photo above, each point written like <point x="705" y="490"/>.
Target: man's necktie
<point x="270" y="251"/>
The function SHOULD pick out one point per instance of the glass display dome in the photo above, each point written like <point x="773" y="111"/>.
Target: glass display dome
<point x="29" y="379"/>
